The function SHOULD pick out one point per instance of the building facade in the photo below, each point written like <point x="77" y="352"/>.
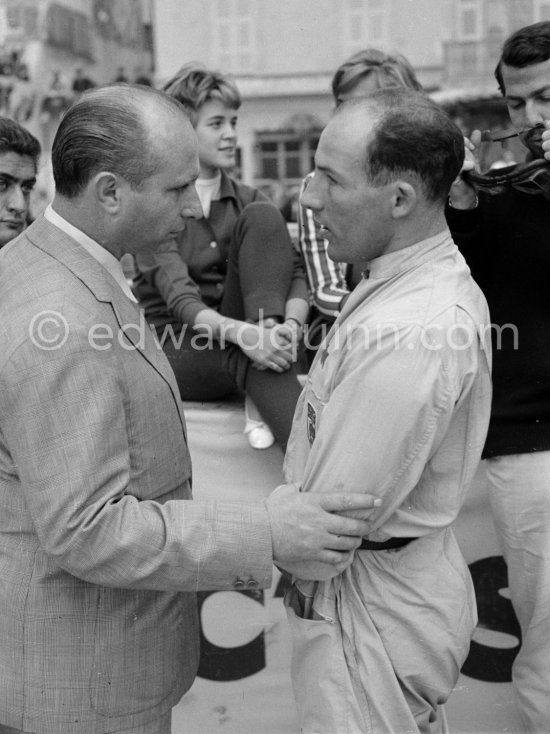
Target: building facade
<point x="52" y="49"/>
<point x="283" y="53"/>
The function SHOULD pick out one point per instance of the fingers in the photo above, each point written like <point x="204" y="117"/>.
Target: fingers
<point x="470" y="145"/>
<point x="345" y="543"/>
<point x="475" y="139"/>
<point x="340" y="561"/>
<point x="546" y="140"/>
<point x="337" y="501"/>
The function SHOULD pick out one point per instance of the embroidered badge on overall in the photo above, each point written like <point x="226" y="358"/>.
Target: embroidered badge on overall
<point x="311" y="423"/>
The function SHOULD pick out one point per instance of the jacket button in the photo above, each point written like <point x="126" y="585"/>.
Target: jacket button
<point x="238" y="584"/>
<point x="252" y="584"/>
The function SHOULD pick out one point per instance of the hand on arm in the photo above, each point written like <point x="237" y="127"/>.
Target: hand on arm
<point x="307" y="529"/>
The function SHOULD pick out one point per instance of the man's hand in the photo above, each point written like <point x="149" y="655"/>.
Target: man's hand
<point x="546" y="140"/>
<point x="462" y="194"/>
<point x="309" y="538"/>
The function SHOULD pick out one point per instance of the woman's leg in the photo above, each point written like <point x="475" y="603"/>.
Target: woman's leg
<point x="275" y="394"/>
<point x="260" y="265"/>
<point x="203" y="370"/>
<point x="259" y="273"/>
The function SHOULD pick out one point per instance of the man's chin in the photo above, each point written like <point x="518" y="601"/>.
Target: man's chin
<point x="9" y="233"/>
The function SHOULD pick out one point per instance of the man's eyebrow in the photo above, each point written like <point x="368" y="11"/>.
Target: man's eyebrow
<point x="325" y="169"/>
<point x="13" y="179"/>
<point x="540" y="90"/>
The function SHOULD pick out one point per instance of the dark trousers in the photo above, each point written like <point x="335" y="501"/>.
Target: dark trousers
<point x="259" y="273"/>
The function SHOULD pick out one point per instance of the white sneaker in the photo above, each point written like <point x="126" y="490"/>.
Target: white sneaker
<point x="258" y="434"/>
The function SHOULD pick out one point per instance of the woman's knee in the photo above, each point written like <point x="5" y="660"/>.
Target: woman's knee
<point x="262" y="215"/>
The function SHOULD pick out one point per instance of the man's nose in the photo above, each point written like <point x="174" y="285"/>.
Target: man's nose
<point x="309" y="197"/>
<point x="17" y="201"/>
<point x="535" y="113"/>
<point x="192" y="207"/>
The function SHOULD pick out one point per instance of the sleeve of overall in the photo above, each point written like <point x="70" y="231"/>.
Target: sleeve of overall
<point x="389" y="403"/>
<point x="65" y="422"/>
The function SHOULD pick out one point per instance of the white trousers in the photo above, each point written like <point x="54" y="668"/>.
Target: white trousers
<point x="519" y="491"/>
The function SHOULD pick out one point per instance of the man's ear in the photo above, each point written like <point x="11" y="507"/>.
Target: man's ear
<point x="404" y="199"/>
<point x="108" y="191"/>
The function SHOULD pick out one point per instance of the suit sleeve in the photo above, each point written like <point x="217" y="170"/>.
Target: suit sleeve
<point x="67" y="418"/>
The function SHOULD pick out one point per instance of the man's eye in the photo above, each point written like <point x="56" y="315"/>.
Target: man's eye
<point x="27" y="188"/>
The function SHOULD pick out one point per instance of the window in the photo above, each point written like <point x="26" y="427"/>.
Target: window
<point x="23" y="16"/>
<point x="284" y="156"/>
<point x="233" y="27"/>
<point x="543" y="11"/>
<point x="68" y="30"/>
<point x="363" y="24"/>
<point x="469" y="20"/>
<point x="376" y="27"/>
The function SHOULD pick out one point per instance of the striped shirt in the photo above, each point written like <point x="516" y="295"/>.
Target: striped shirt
<point x="327" y="279"/>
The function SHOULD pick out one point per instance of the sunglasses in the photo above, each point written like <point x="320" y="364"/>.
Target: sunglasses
<point x="530" y="178"/>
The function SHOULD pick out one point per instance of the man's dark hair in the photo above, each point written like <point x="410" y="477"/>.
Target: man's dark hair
<point x="105" y="130"/>
<point x="412" y="136"/>
<point x="527" y="46"/>
<point x="14" y="138"/>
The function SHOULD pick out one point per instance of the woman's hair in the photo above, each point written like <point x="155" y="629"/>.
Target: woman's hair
<point x="194" y="84"/>
<point x="388" y="70"/>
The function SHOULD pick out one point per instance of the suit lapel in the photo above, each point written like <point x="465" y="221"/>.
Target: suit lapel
<point x="133" y="329"/>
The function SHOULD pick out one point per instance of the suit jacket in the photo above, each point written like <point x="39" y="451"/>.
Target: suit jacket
<point x="101" y="550"/>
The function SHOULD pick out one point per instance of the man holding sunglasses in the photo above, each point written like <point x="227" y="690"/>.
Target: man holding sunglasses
<point x="501" y="223"/>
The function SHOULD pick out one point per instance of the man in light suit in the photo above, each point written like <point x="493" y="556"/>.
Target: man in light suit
<point x="101" y="548"/>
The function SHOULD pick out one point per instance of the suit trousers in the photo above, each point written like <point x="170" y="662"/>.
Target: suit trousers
<point x="159" y="726"/>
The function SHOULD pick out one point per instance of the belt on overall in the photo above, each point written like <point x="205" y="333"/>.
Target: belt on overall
<point x="385" y="544"/>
